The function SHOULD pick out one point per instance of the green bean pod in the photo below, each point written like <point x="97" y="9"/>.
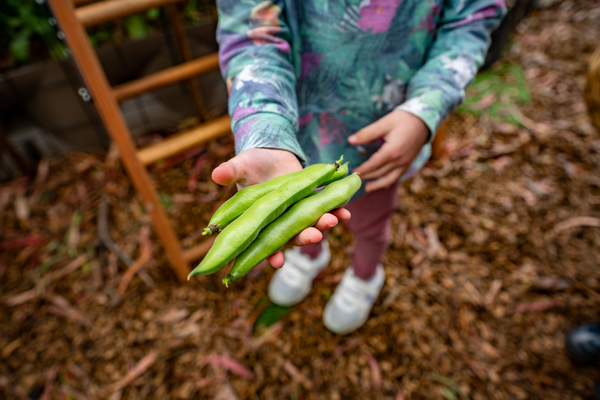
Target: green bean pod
<point x="238" y="235"/>
<point x="300" y="216"/>
<point x="242" y="200"/>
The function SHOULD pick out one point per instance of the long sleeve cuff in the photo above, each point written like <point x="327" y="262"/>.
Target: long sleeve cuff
<point x="266" y="130"/>
<point x="430" y="105"/>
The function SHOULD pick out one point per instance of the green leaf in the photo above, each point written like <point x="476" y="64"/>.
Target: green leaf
<point x="53" y="245"/>
<point x="153" y="14"/>
<point x="46" y="196"/>
<point x="19" y="46"/>
<point x="507" y="84"/>
<point x="86" y="268"/>
<point x="449" y="394"/>
<point x="76" y="218"/>
<point x="271" y="314"/>
<point x="136" y="27"/>
<point x="165" y="200"/>
<point x="452" y="387"/>
<point x="48" y="263"/>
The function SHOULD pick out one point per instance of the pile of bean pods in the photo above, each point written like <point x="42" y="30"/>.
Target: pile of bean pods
<point x="259" y="220"/>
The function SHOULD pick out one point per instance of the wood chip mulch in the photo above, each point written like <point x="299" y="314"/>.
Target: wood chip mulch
<point x="495" y="255"/>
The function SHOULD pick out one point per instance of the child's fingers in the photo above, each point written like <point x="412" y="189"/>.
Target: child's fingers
<point x="385" y="181"/>
<point x="308" y="236"/>
<point x="369" y="133"/>
<point x="342" y="214"/>
<point x="276" y="260"/>
<point x="376" y="161"/>
<point x="326" y="221"/>
<point x="227" y="173"/>
<point x="378" y="173"/>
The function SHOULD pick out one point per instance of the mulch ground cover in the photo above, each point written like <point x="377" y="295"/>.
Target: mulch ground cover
<point x="495" y="255"/>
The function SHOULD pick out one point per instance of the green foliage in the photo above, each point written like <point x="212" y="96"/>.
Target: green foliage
<point x="137" y="27"/>
<point x="153" y="14"/>
<point x="495" y="93"/>
<point x="25" y="22"/>
<point x="165" y="200"/>
<point x="22" y="21"/>
<point x="271" y="314"/>
<point x="452" y="391"/>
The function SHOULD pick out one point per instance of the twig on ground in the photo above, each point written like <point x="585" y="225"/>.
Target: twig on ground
<point x="139" y="368"/>
<point x="71" y="393"/>
<point x="49" y="387"/>
<point x="375" y="370"/>
<point x="537" y="306"/>
<point x="145" y="254"/>
<point x="493" y="291"/>
<point x="337" y="353"/>
<point x="41" y="284"/>
<point x="576" y="222"/>
<point x="230" y="364"/>
<point x="110" y="245"/>
<point x="296" y="375"/>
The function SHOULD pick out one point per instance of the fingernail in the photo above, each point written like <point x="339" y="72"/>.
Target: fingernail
<point x="352" y="139"/>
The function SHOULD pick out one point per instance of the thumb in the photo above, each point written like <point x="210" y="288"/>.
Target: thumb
<point x="228" y="173"/>
<point x="369" y="133"/>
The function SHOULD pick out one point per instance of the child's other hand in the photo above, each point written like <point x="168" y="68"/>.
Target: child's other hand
<point x="404" y="135"/>
<point x="254" y="166"/>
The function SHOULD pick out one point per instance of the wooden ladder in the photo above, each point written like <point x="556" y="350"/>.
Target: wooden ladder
<point x="72" y="22"/>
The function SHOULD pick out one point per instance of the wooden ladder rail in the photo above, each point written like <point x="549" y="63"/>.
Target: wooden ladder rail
<point x="106" y="101"/>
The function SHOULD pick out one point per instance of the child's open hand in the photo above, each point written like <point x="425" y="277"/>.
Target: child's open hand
<point x="254" y="166"/>
<point x="404" y="135"/>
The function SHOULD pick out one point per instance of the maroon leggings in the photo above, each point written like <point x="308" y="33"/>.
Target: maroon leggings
<point x="371" y="227"/>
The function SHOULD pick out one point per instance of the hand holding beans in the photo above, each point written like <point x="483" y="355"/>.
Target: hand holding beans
<point x="257" y="210"/>
<point x="254" y="166"/>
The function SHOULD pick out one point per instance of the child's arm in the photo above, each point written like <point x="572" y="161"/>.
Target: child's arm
<point x="257" y="64"/>
<point x="459" y="49"/>
<point x="256" y="60"/>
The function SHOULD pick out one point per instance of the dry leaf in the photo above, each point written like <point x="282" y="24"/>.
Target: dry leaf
<point x="9" y="348"/>
<point x="230" y="364"/>
<point x="173" y="316"/>
<point x="375" y="370"/>
<point x="142" y="366"/>
<point x="296" y="375"/>
<point x="537" y="306"/>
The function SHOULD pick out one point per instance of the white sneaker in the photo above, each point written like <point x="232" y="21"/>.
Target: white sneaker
<point x="292" y="282"/>
<point x="351" y="303"/>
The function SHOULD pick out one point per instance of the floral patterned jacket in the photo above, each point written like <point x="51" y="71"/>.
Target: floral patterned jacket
<point x="303" y="75"/>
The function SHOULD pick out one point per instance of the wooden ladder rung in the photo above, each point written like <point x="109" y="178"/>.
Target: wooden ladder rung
<point x="198" y="251"/>
<point x="104" y="11"/>
<point x="81" y="2"/>
<point x="166" y="77"/>
<point x="179" y="142"/>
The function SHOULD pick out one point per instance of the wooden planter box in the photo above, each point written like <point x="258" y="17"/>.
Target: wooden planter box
<point x="43" y="114"/>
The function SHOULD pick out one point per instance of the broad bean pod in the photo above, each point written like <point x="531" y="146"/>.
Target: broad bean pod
<point x="299" y="217"/>
<point x="238" y="235"/>
<point x="242" y="200"/>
